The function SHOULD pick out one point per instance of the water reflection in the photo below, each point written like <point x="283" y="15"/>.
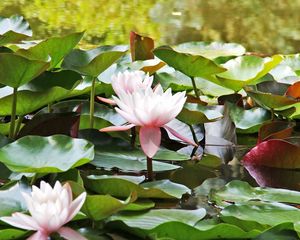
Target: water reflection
<point x="260" y="25"/>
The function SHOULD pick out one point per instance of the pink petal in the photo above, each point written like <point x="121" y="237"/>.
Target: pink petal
<point x="76" y="205"/>
<point x="150" y="138"/>
<point x="21" y="220"/>
<point x="117" y="128"/>
<point x="107" y="100"/>
<point x="38" y="236"/>
<point x="178" y="135"/>
<point x="70" y="234"/>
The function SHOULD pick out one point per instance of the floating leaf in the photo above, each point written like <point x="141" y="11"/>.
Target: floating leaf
<point x="211" y="50"/>
<point x="193" y="113"/>
<point x="275" y="130"/>
<point x="241" y="192"/>
<point x="121" y="186"/>
<point x="13" y="29"/>
<point x="248" y="121"/>
<point x="274" y="153"/>
<point x="46" y="154"/>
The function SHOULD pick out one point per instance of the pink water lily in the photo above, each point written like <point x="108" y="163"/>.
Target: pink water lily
<point x="150" y="109"/>
<point x="128" y="82"/>
<point x="50" y="209"/>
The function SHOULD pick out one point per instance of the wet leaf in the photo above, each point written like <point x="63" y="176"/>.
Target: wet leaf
<point x="46" y="154"/>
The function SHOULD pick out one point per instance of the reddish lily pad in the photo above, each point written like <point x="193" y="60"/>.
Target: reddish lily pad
<point x="141" y="47"/>
<point x="276" y="153"/>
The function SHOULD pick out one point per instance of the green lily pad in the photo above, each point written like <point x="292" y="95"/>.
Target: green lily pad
<point x="241" y="192"/>
<point x="16" y="70"/>
<point x="11" y="233"/>
<point x="211" y="50"/>
<point x="246" y="70"/>
<point x="193" y="113"/>
<point x="122" y="186"/>
<point x="248" y="121"/>
<point x="94" y="61"/>
<point x="154" y="218"/>
<point x="55" y="48"/>
<point x="99" y="207"/>
<point x="46" y="154"/>
<point x="12" y="199"/>
<point x="191" y="65"/>
<point x="13" y="29"/>
<point x="175" y="80"/>
<point x="264" y="214"/>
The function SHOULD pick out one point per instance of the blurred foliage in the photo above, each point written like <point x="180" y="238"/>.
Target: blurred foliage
<point x="260" y="25"/>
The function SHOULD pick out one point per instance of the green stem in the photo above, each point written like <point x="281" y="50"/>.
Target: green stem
<point x="272" y="114"/>
<point x="92" y="103"/>
<point x="195" y="88"/>
<point x="49" y="108"/>
<point x="20" y="120"/>
<point x="13" y="114"/>
<point x="149" y="169"/>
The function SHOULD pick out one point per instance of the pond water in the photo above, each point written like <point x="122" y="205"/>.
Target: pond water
<point x="260" y="25"/>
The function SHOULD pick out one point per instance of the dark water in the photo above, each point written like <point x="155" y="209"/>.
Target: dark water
<point x="260" y="25"/>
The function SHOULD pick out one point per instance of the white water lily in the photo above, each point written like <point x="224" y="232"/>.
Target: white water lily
<point x="128" y="82"/>
<point x="50" y="209"/>
<point x="150" y="109"/>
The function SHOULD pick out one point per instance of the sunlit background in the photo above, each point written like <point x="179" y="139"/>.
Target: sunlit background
<point x="267" y="26"/>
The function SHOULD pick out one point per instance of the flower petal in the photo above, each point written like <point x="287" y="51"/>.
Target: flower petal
<point x="150" y="138"/>
<point x="178" y="135"/>
<point x="38" y="236"/>
<point x="76" y="205"/>
<point x="117" y="128"/>
<point x="21" y="220"/>
<point x="107" y="100"/>
<point x="70" y="234"/>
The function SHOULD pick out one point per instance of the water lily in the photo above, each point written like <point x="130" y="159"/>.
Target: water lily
<point x="128" y="82"/>
<point x="50" y="209"/>
<point x="150" y="109"/>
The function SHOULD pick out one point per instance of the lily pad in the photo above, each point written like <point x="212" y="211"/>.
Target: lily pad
<point x="55" y="48"/>
<point x="211" y="50"/>
<point x="94" y="61"/>
<point x="37" y="154"/>
<point x="16" y="70"/>
<point x="13" y="29"/>
<point x="245" y="70"/>
<point x="191" y="65"/>
<point x="121" y="186"/>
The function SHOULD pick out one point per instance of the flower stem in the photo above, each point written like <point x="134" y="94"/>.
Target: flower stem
<point x="133" y="137"/>
<point x="149" y="169"/>
<point x="92" y="103"/>
<point x="20" y="120"/>
<point x="13" y="113"/>
<point x="195" y="88"/>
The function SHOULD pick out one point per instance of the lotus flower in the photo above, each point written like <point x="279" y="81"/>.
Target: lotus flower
<point x="128" y="82"/>
<point x="50" y="209"/>
<point x="150" y="109"/>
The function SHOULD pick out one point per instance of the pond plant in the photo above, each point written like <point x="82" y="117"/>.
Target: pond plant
<point x="151" y="143"/>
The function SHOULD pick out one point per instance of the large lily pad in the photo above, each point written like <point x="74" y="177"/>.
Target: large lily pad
<point x="55" y="48"/>
<point x="122" y="186"/>
<point x="275" y="153"/>
<point x="241" y="192"/>
<point x="211" y="50"/>
<point x="94" y="61"/>
<point x="191" y="65"/>
<point x="46" y="154"/>
<point x="246" y="70"/>
<point x="16" y="70"/>
<point x="13" y="29"/>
